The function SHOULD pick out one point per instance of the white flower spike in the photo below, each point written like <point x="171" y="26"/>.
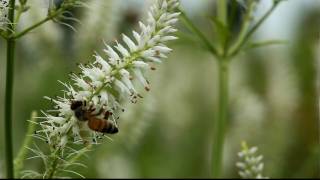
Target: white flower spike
<point x="102" y="86"/>
<point x="251" y="165"/>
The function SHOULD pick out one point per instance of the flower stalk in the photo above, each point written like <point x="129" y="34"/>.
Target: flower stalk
<point x="9" y="93"/>
<point x="224" y="55"/>
<point x="19" y="160"/>
<point x="220" y="122"/>
<point x="56" y="12"/>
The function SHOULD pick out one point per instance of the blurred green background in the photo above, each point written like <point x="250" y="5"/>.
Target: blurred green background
<point x="273" y="103"/>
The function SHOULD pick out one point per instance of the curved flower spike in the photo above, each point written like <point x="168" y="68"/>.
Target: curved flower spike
<point x="104" y="85"/>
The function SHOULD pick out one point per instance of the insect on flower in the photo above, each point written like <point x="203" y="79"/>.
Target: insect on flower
<point x="94" y="123"/>
<point x="96" y="96"/>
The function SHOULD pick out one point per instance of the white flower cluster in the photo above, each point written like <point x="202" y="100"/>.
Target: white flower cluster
<point x="103" y="85"/>
<point x="251" y="165"/>
<point x="4" y="6"/>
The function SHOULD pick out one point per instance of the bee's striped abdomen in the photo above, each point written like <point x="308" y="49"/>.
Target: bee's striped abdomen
<point x="110" y="128"/>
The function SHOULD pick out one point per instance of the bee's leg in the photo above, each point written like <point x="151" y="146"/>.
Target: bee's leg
<point x="91" y="108"/>
<point x="98" y="113"/>
<point x="107" y="115"/>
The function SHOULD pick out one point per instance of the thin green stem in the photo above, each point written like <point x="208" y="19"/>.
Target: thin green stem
<point x="195" y="30"/>
<point x="51" y="16"/>
<point x="3" y="34"/>
<point x="18" y="161"/>
<point x="20" y="11"/>
<point x="222" y="17"/>
<point x="53" y="165"/>
<point x="54" y="162"/>
<point x="80" y="153"/>
<point x="245" y="38"/>
<point x="222" y="11"/>
<point x="244" y="28"/>
<point x="35" y="26"/>
<point x="8" y="94"/>
<point x="220" y="122"/>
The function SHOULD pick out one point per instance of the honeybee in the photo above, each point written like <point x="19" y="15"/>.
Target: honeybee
<point x="96" y="124"/>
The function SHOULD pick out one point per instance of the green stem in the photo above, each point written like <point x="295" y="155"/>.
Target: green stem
<point x="51" y="16"/>
<point x="195" y="30"/>
<point x="18" y="161"/>
<point x="8" y="94"/>
<point x="54" y="162"/>
<point x="222" y="17"/>
<point x="80" y="153"/>
<point x="3" y="34"/>
<point x="34" y="26"/>
<point x="20" y="11"/>
<point x="245" y="38"/>
<point x="244" y="28"/>
<point x="219" y="123"/>
<point x="53" y="165"/>
<point x="222" y="11"/>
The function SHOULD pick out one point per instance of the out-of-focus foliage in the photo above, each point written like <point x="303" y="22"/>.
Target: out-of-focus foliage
<point x="273" y="102"/>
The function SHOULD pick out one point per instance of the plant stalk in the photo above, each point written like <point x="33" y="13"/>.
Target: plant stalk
<point x="19" y="160"/>
<point x="243" y="39"/>
<point x="51" y="16"/>
<point x="220" y="122"/>
<point x="9" y="94"/>
<point x="222" y="11"/>
<point x="206" y="43"/>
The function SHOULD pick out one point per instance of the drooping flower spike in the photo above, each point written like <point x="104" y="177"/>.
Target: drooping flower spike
<point x="106" y="83"/>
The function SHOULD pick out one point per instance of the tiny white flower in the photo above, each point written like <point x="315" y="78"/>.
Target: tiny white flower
<point x="250" y="165"/>
<point x="253" y="150"/>
<point x="129" y="43"/>
<point x="162" y="49"/>
<point x="141" y="78"/>
<point x="168" y="38"/>
<point x="140" y="64"/>
<point x="105" y="66"/>
<point x="63" y="141"/>
<point x="113" y="56"/>
<point x="122" y="50"/>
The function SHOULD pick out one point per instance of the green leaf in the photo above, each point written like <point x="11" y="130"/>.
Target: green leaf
<point x="265" y="43"/>
<point x="186" y="38"/>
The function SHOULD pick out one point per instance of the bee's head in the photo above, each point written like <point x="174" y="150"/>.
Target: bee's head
<point x="76" y="104"/>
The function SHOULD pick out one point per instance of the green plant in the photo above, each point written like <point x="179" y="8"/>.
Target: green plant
<point x="225" y="48"/>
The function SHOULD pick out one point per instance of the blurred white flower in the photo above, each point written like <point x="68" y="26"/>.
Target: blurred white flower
<point x="4" y="6"/>
<point x="250" y="164"/>
<point x="104" y="28"/>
